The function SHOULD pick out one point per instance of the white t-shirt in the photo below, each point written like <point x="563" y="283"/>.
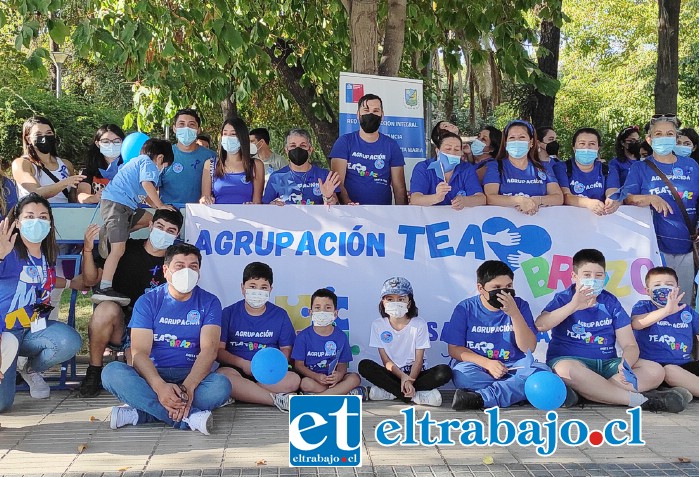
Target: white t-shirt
<point x="44" y="180"/>
<point x="400" y="345"/>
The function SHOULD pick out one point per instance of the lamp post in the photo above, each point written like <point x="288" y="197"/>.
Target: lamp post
<point x="59" y="57"/>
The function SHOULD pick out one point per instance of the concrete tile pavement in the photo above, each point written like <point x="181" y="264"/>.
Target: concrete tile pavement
<point x="46" y="437"/>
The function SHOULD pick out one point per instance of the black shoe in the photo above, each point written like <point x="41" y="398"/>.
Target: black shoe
<point x="109" y="294"/>
<point x="467" y="400"/>
<point x="663" y="401"/>
<point x="571" y="397"/>
<point x="91" y="387"/>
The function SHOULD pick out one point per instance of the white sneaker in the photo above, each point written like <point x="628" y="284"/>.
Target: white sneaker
<point x="38" y="389"/>
<point x="281" y="400"/>
<point x="200" y="421"/>
<point x="378" y="394"/>
<point x="122" y="416"/>
<point x="428" y="398"/>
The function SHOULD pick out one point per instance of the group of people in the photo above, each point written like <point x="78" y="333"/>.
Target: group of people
<point x="148" y="304"/>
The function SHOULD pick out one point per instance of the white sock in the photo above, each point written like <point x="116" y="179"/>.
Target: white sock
<point x="636" y="399"/>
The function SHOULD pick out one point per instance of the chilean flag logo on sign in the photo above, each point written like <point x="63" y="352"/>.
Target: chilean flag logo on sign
<point x="353" y="92"/>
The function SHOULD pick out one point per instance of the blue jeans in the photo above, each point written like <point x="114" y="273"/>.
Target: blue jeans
<point x="501" y="392"/>
<point x="129" y="387"/>
<point x="55" y="344"/>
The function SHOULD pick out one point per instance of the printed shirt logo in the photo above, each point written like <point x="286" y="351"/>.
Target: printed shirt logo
<point x="171" y="340"/>
<point x="578" y="331"/>
<point x="330" y="348"/>
<point x="193" y="317"/>
<point x="485" y="348"/>
<point x="177" y="168"/>
<point x="672" y="343"/>
<point x="578" y="188"/>
<point x="686" y="317"/>
<point x="542" y="175"/>
<point x="677" y="171"/>
<point x="379" y="163"/>
<point x="386" y="337"/>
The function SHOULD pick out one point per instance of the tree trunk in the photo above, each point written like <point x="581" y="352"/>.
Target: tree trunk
<point x="667" y="69"/>
<point x="547" y="57"/>
<point x="496" y="79"/>
<point x="471" y="98"/>
<point x="325" y="130"/>
<point x="449" y="97"/>
<point x="394" y="38"/>
<point x="364" y="35"/>
<point x="229" y="106"/>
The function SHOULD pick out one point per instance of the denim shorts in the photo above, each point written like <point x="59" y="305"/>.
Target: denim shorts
<point x="604" y="367"/>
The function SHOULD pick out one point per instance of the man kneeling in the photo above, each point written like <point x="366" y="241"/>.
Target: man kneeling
<point x="175" y="333"/>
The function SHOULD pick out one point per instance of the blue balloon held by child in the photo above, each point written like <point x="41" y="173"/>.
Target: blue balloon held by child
<point x="131" y="147"/>
<point x="269" y="366"/>
<point x="545" y="390"/>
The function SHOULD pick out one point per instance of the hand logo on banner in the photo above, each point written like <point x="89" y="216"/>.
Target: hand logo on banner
<point x="512" y="244"/>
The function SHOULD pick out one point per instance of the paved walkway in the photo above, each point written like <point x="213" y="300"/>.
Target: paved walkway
<point x="66" y="435"/>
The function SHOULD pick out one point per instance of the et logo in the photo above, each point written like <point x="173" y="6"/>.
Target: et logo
<point x="325" y="431"/>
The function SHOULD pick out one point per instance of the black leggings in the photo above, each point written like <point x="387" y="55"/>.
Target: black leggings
<point x="427" y="380"/>
<point x="692" y="367"/>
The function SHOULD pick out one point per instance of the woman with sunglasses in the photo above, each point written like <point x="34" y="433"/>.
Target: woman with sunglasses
<point x="517" y="178"/>
<point x="646" y="187"/>
<point x="28" y="253"/>
<point x="103" y="162"/>
<point x="628" y="150"/>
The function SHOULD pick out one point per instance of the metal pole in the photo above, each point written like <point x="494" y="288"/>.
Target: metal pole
<point x="59" y="70"/>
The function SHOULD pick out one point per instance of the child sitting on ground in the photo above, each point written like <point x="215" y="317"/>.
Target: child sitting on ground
<point x="322" y="351"/>
<point x="665" y="330"/>
<point x="248" y="326"/>
<point x="586" y="322"/>
<point x="402" y="338"/>
<point x="488" y="335"/>
<point x="135" y="181"/>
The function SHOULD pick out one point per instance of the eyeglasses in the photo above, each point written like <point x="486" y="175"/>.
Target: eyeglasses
<point x="672" y="118"/>
<point x="107" y="142"/>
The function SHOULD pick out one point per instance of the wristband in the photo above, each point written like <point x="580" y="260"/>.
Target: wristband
<point x="68" y="282"/>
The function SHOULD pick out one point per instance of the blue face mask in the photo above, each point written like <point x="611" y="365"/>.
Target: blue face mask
<point x="160" y="240"/>
<point x="186" y="135"/>
<point x="663" y="145"/>
<point x="517" y="149"/>
<point x="585" y="156"/>
<point x="34" y="230"/>
<point x="659" y="294"/>
<point x="682" y="150"/>
<point x="595" y="284"/>
<point x="230" y="144"/>
<point x="477" y="147"/>
<point x="110" y="150"/>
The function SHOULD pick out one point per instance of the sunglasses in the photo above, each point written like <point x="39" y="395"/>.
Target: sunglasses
<point x="630" y="128"/>
<point x="672" y="118"/>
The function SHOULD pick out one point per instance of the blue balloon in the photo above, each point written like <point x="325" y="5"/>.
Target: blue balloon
<point x="131" y="147"/>
<point x="269" y="366"/>
<point x="545" y="390"/>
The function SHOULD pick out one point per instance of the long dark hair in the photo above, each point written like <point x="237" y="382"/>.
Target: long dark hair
<point x="243" y="134"/>
<point x="619" y="143"/>
<point x="48" y="246"/>
<point x="532" y="154"/>
<point x="29" y="151"/>
<point x="694" y="137"/>
<point x="495" y="139"/>
<point x="95" y="159"/>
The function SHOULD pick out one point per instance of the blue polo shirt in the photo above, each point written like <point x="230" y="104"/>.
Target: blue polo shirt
<point x="464" y="181"/>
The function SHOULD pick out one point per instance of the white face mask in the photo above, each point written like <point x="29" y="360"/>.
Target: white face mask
<point x="322" y="318"/>
<point x="184" y="280"/>
<point x="396" y="309"/>
<point x="256" y="298"/>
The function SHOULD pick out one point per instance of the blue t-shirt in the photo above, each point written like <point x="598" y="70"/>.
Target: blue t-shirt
<point x="670" y="340"/>
<point x="126" y="188"/>
<point x="244" y="335"/>
<point x="176" y="325"/>
<point x="9" y="194"/>
<point x="368" y="179"/>
<point x="319" y="353"/>
<point x="530" y="182"/>
<point x="485" y="332"/>
<point x="622" y="168"/>
<point x="181" y="181"/>
<point x="553" y="166"/>
<point x="464" y="181"/>
<point x="296" y="187"/>
<point x="592" y="185"/>
<point x="23" y="283"/>
<point x="589" y="333"/>
<point x="232" y="188"/>
<point x="673" y="236"/>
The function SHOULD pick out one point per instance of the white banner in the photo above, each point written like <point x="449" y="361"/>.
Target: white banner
<point x="353" y="249"/>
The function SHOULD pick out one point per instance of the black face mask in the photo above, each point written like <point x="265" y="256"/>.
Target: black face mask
<point x="634" y="148"/>
<point x="298" y="156"/>
<point x="370" y="122"/>
<point x="45" y="144"/>
<point x="493" y="296"/>
<point x="552" y="148"/>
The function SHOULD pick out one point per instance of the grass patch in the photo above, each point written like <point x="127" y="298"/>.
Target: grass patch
<point x="83" y="312"/>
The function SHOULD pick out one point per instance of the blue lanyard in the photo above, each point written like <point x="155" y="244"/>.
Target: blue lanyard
<point x="42" y="271"/>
